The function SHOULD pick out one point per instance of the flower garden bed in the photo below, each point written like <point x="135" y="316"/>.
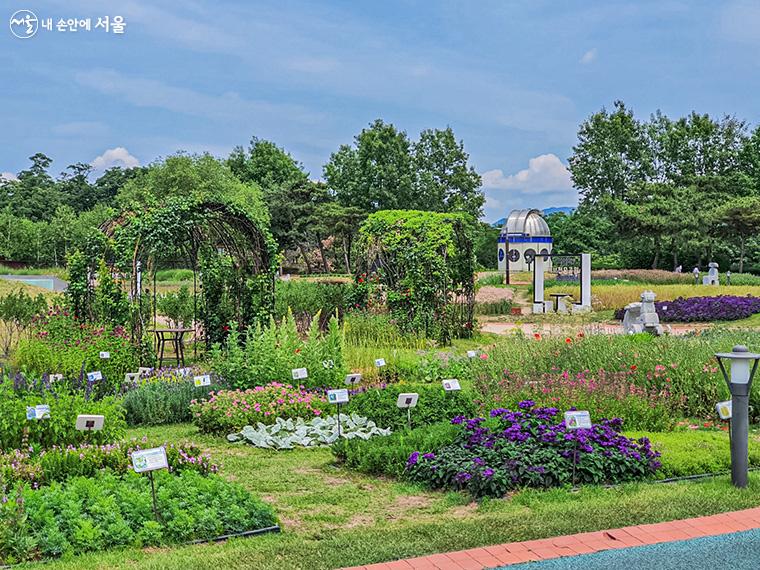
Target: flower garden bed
<point x="704" y="309"/>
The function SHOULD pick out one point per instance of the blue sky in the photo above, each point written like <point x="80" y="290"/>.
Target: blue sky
<point x="513" y="79"/>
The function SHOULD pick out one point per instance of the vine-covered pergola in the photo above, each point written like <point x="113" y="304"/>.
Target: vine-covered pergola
<point x="231" y="253"/>
<point x="426" y="264"/>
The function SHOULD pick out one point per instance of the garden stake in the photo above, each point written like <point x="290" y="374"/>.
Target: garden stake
<point x="153" y="493"/>
<point x="338" y="421"/>
<point x="409" y="417"/>
<point x="575" y="460"/>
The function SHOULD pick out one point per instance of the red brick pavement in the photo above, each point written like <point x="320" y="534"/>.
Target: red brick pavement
<point x="583" y="543"/>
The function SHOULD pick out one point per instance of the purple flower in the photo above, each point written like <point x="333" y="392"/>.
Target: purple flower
<point x="413" y="458"/>
<point x="526" y="404"/>
<point x="487" y="473"/>
<point x="429" y="456"/>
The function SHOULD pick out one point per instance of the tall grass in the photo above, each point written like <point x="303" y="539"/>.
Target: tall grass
<point x="367" y="330"/>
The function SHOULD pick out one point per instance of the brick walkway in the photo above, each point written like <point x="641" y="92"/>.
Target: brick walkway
<point x="583" y="543"/>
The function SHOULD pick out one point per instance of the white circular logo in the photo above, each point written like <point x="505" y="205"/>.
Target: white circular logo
<point x="24" y="24"/>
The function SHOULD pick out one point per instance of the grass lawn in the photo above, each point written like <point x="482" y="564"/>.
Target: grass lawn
<point x="333" y="518"/>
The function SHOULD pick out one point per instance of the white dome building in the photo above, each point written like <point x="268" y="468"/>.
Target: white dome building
<point x="524" y="235"/>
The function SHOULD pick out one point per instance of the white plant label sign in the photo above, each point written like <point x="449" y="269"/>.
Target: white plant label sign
<point x="407" y="400"/>
<point x="144" y="370"/>
<point x="299" y="373"/>
<point x="379" y="362"/>
<point x="131" y="377"/>
<point x="152" y="459"/>
<point x="353" y="378"/>
<point x="337" y="396"/>
<point x="451" y="385"/>
<point x="724" y="409"/>
<point x="472" y="353"/>
<point x="578" y="420"/>
<point x="202" y="380"/>
<point x="56" y="377"/>
<point x="93" y="376"/>
<point x="328" y="364"/>
<point x="89" y="423"/>
<point x="104" y="355"/>
<point x="184" y="371"/>
<point x="39" y="412"/>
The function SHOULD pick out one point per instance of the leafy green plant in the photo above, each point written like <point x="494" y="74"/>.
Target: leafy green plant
<point x="434" y="404"/>
<point x="17" y="312"/>
<point x="177" y="307"/>
<point x="163" y="402"/>
<point x="287" y="434"/>
<point x="95" y="513"/>
<point x="110" y="305"/>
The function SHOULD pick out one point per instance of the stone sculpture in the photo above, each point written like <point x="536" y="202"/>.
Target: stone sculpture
<point x="642" y="317"/>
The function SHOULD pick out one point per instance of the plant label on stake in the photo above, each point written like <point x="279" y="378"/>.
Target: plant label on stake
<point x="90" y="422"/>
<point x="56" y="377"/>
<point x="105" y="355"/>
<point x="184" y="371"/>
<point x="38" y="412"/>
<point x="379" y="362"/>
<point x="724" y="409"/>
<point x="472" y="353"/>
<point x="327" y="364"/>
<point x="202" y="380"/>
<point x="148" y="461"/>
<point x="93" y="376"/>
<point x="338" y="397"/>
<point x="352" y="379"/>
<point x="451" y="385"/>
<point x="577" y="420"/>
<point x="144" y="370"/>
<point x="408" y="401"/>
<point x="299" y="373"/>
<point x="131" y="377"/>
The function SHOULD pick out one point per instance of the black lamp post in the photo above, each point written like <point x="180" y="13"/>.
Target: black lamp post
<point x="743" y="367"/>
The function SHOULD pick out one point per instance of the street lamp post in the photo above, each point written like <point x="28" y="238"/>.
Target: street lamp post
<point x="743" y="367"/>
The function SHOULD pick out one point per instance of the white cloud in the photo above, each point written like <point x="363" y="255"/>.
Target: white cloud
<point x="118" y="156"/>
<point x="8" y="176"/>
<point x="544" y="173"/>
<point x="588" y="57"/>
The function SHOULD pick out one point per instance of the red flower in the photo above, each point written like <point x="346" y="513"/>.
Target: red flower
<point x="633" y="367"/>
<point x="225" y="328"/>
<point x="581" y="335"/>
<point x="568" y="340"/>
<point x="537" y="336"/>
<point x="298" y="351"/>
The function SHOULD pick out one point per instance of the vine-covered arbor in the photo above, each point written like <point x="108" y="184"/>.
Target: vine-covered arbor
<point x="426" y="264"/>
<point x="231" y="253"/>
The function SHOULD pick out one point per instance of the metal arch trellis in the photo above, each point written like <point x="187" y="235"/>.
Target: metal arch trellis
<point x="205" y="224"/>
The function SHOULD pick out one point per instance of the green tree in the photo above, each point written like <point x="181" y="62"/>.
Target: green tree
<point x="265" y="164"/>
<point x="740" y="218"/>
<point x="444" y="180"/>
<point x="34" y="195"/>
<point x="75" y="188"/>
<point x="374" y="174"/>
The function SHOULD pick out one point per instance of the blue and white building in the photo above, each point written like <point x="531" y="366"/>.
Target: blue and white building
<point x="524" y="235"/>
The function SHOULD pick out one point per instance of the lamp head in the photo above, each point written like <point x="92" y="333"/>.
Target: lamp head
<point x="743" y="365"/>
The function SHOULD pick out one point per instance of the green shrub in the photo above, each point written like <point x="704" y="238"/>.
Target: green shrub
<point x="306" y="299"/>
<point x="388" y="455"/>
<point x="503" y="307"/>
<point x="63" y="345"/>
<point x="17" y="312"/>
<point x="90" y="514"/>
<point x="228" y="411"/>
<point x="269" y="354"/>
<point x="162" y="402"/>
<point x="16" y="431"/>
<point x="42" y="467"/>
<point x="371" y="330"/>
<point x="434" y="405"/>
<point x="178" y="307"/>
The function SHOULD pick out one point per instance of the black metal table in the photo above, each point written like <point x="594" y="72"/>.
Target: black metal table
<point x="176" y="338"/>
<point x="557" y="297"/>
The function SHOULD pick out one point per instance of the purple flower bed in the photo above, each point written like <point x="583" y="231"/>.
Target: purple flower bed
<point x="693" y="309"/>
<point x="530" y="447"/>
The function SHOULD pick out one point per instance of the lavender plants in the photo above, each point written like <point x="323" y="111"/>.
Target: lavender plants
<point x="705" y="309"/>
<point x="532" y="447"/>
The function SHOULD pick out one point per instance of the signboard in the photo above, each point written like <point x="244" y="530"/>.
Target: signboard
<point x="152" y="459"/>
<point x="451" y="385"/>
<point x="578" y="420"/>
<point x="328" y="364"/>
<point x="39" y="412"/>
<point x="472" y="353"/>
<point x="379" y="362"/>
<point x="407" y="400"/>
<point x="299" y="373"/>
<point x="337" y="396"/>
<point x="144" y="371"/>
<point x="104" y="354"/>
<point x="514" y="255"/>
<point x="131" y="377"/>
<point x="90" y="423"/>
<point x="353" y="378"/>
<point x="93" y="376"/>
<point x="56" y="377"/>
<point x="724" y="409"/>
<point x="202" y="380"/>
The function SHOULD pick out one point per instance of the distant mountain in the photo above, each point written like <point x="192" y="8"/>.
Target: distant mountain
<point x="545" y="212"/>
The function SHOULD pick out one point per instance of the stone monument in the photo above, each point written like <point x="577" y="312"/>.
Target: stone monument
<point x="712" y="275"/>
<point x="642" y="317"/>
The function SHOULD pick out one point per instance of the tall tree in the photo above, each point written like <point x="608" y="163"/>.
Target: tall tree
<point x="445" y="182"/>
<point x="740" y="218"/>
<point x="34" y="195"/>
<point x="266" y="164"/>
<point x="376" y="173"/>
<point x="75" y="188"/>
<point x="611" y="155"/>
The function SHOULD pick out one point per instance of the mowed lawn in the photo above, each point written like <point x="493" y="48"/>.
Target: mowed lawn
<point x="333" y="518"/>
